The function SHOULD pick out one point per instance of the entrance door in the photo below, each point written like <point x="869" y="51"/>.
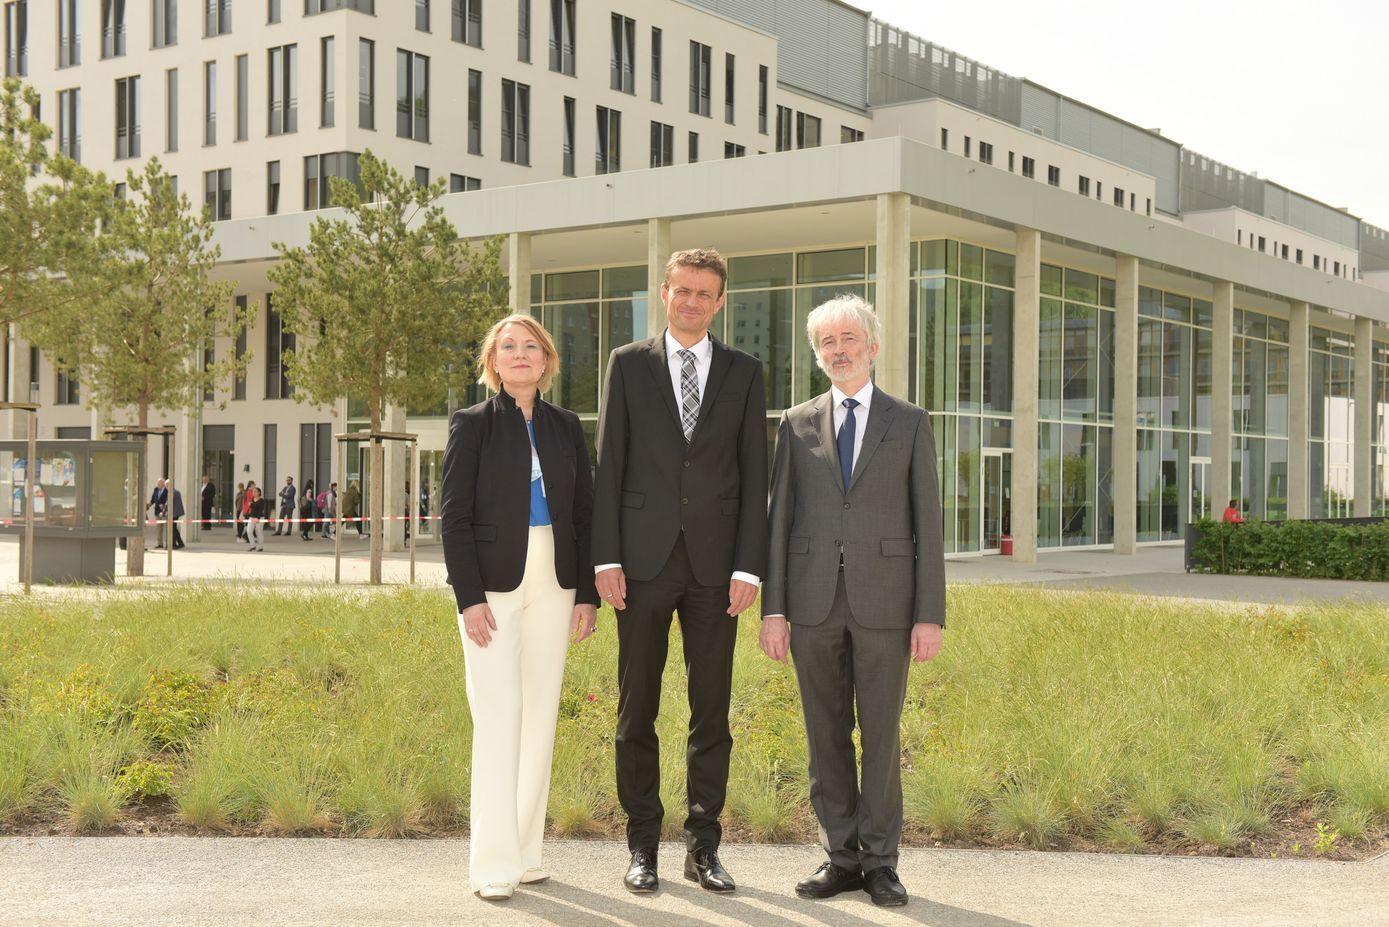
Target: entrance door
<point x="998" y="484"/>
<point x="219" y="463"/>
<point x="1200" y="506"/>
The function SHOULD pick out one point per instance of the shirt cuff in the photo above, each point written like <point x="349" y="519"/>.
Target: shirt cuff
<point x="606" y="566"/>
<point x="782" y="617"/>
<point x="746" y="577"/>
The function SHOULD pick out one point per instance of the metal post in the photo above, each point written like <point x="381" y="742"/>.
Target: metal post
<point x="29" y="478"/>
<point x="337" y="512"/>
<point x="414" y="507"/>
<point x="169" y="506"/>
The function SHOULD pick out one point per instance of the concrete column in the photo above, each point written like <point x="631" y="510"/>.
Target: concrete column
<point x="657" y="253"/>
<point x="518" y="272"/>
<point x="1125" y="485"/>
<point x="15" y="425"/>
<point x="1299" y="340"/>
<point x="1363" y="468"/>
<point x="187" y="469"/>
<point x="1026" y="315"/>
<point x="893" y="281"/>
<point x="393" y="502"/>
<point x="1222" y="393"/>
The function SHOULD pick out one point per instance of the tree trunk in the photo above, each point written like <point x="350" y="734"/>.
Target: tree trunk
<point x="378" y="479"/>
<point x="135" y="546"/>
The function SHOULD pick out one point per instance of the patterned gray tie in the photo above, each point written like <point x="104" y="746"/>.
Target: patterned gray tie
<point x="689" y="394"/>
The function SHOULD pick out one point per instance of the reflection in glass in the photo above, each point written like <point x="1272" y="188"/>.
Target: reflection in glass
<point x="574" y="327"/>
<point x="760" y="322"/>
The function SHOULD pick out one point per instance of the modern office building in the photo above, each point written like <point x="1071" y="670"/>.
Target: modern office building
<point x="1114" y="333"/>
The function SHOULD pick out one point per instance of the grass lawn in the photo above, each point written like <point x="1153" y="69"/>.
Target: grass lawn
<point x="1069" y="720"/>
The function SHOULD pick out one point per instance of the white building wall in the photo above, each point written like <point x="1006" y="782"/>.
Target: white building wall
<point x="1245" y="228"/>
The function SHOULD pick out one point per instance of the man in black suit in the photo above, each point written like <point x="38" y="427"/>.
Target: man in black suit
<point x="206" y="495"/>
<point x="680" y="524"/>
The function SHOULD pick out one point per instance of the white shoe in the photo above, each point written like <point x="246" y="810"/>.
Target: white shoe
<point x="495" y="891"/>
<point x="534" y="875"/>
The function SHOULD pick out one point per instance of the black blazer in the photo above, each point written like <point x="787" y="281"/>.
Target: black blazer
<point x="651" y="485"/>
<point x="486" y="498"/>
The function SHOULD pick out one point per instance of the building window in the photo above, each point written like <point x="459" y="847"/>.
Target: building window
<point x="1131" y="202"/>
<point x="693" y="152"/>
<point x="467" y="22"/>
<point x="700" y="76"/>
<point x="112" y="28"/>
<point x="218" y="19"/>
<point x="986" y="153"/>
<point x="1054" y="175"/>
<point x="17" y="38"/>
<point x="217" y="193"/>
<point x="412" y="95"/>
<point x="1285" y="252"/>
<point x="1150" y="206"/>
<point x="318" y="169"/>
<point x="239" y="386"/>
<point x="66" y="394"/>
<point x="127" y="117"/>
<point x="1299" y="256"/>
<point x="523" y="31"/>
<point x="327" y="82"/>
<point x="277" y="343"/>
<point x="272" y="13"/>
<point x="608" y="152"/>
<point x="421" y="176"/>
<point x="1119" y="197"/>
<point x="69" y="33"/>
<point x="763" y="78"/>
<point x="516" y="122"/>
<point x="1099" y="189"/>
<point x="422" y="16"/>
<point x="165" y="23"/>
<point x="209" y="102"/>
<point x="284" y="90"/>
<point x="728" y="74"/>
<point x="1011" y="161"/>
<point x="461" y="184"/>
<point x="662" y="144"/>
<point x="1083" y="186"/>
<point x="366" y="84"/>
<point x="944" y="139"/>
<point x="969" y="146"/>
<point x="849" y="135"/>
<point x="272" y="188"/>
<point x="1338" y="268"/>
<point x="1262" y="244"/>
<point x="118" y="191"/>
<point x="807" y="131"/>
<point x="562" y="36"/>
<point x="783" y="128"/>
<point x="568" y="151"/>
<point x="69" y="113"/>
<point x="474" y="112"/>
<point x="324" y="6"/>
<point x="734" y="150"/>
<point x="655" y="65"/>
<point x="243" y="91"/>
<point x="622" y="63"/>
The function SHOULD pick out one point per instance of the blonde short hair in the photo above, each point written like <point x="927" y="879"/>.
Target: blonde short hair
<point x="486" y="362"/>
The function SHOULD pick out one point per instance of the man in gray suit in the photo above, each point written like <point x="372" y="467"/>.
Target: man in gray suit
<point x="855" y="590"/>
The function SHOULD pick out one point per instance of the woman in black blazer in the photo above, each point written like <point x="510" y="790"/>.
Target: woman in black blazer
<point x="516" y="510"/>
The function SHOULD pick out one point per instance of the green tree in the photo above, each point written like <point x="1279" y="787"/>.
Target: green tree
<point x="386" y="304"/>
<point x="139" y="344"/>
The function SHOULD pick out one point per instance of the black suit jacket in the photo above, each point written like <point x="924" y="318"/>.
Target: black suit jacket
<point x="651" y="485"/>
<point x="486" y="497"/>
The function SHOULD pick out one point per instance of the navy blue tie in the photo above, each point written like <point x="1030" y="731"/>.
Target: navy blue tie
<point x="846" y="442"/>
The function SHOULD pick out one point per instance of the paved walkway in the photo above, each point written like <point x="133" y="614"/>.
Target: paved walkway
<point x="1152" y="571"/>
<point x="211" y="882"/>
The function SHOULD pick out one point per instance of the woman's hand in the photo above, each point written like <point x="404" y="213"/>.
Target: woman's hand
<point x="479" y="624"/>
<point x="584" y="621"/>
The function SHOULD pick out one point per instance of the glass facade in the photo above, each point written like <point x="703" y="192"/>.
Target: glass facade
<point x="1379" y="355"/>
<point x="1330" y="423"/>
<point x="1259" y="418"/>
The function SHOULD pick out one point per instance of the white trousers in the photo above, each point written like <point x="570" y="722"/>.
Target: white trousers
<point x="254" y="534"/>
<point x="513" y="692"/>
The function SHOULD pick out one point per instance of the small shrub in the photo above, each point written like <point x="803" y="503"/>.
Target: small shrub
<point x="82" y="694"/>
<point x="144" y="779"/>
<point x="173" y="705"/>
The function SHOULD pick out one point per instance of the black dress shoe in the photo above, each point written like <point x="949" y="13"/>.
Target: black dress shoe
<point x="829" y="880"/>
<point x="703" y="866"/>
<point x="883" y="886"/>
<point x="641" y="874"/>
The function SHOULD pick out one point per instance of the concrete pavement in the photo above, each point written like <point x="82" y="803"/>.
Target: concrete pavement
<point x="212" y="882"/>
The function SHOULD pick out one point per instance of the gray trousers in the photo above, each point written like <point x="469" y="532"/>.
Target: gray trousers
<point x="842" y="666"/>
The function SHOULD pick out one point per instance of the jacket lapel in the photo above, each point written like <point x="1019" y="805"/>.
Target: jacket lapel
<point x="660" y="370"/>
<point x="720" y="359"/>
<point x="823" y="410"/>
<point x="879" y="419"/>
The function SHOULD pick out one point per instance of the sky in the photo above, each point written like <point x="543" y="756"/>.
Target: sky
<point x="1296" y="92"/>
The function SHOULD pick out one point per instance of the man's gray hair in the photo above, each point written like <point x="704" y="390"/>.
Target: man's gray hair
<point x="845" y="306"/>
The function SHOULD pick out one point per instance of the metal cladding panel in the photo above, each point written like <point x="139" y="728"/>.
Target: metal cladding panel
<point x="1039" y="111"/>
<point x="1291" y="208"/>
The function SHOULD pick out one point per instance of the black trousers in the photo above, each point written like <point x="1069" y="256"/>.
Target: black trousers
<point x="708" y="635"/>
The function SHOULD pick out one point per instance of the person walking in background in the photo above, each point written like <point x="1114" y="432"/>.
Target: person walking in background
<point x="257" y="510"/>
<point x="178" y="517"/>
<point x="680" y="524"/>
<point x="251" y="487"/>
<point x="516" y="514"/>
<point x="328" y="506"/>
<point x="1232" y="515"/>
<point x="424" y="507"/>
<point x="352" y="505"/>
<point x="855" y="590"/>
<point x="287" y="497"/>
<point x="307" y="511"/>
<point x="238" y="501"/>
<point x="206" y="495"/>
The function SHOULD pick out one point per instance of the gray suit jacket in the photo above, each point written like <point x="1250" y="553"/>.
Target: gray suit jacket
<point x="888" y="524"/>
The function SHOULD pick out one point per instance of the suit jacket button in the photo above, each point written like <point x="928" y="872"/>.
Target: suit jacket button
<point x="684" y="501"/>
<point x="846" y="505"/>
<point x="687" y="464"/>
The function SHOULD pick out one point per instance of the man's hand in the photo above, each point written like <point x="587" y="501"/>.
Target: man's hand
<point x="740" y="596"/>
<point x="584" y="621"/>
<point x="479" y="624"/>
<point x="926" y="641"/>
<point x="775" y="639"/>
<point x="612" y="587"/>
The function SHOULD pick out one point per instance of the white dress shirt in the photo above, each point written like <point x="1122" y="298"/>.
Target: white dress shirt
<point x="865" y="399"/>
<point x="704" y="357"/>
